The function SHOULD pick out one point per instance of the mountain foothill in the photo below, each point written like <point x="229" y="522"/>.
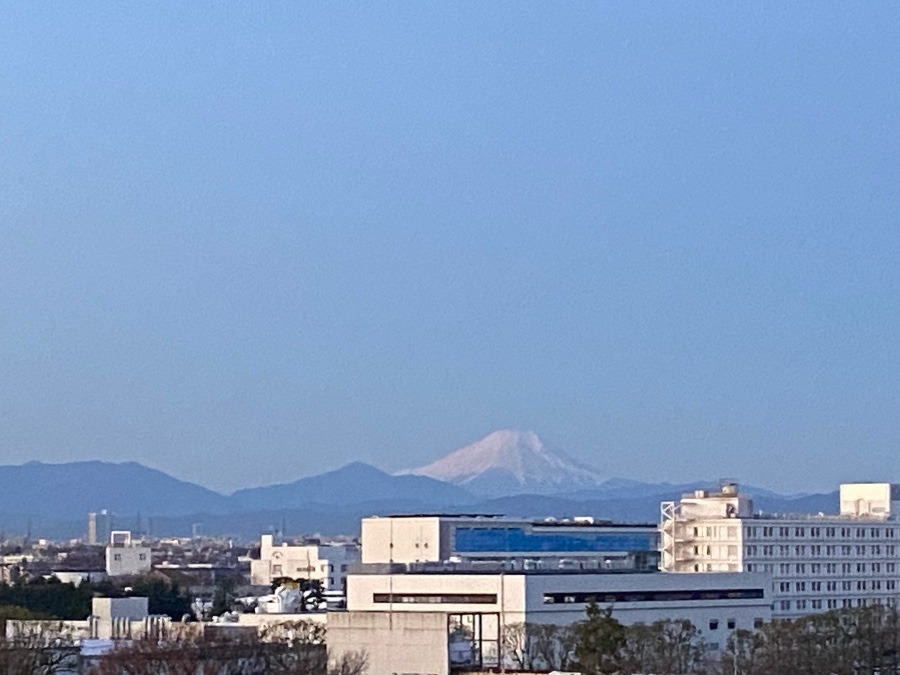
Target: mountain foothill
<point x="509" y="472"/>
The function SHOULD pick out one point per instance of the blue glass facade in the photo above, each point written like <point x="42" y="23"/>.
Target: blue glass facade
<point x="519" y="540"/>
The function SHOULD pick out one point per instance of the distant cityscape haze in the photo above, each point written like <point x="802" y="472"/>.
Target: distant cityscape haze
<point x="253" y="243"/>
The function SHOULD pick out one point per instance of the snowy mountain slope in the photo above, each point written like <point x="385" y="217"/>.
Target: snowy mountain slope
<point x="508" y="462"/>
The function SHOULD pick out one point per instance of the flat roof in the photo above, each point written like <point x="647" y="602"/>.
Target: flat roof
<point x="569" y="521"/>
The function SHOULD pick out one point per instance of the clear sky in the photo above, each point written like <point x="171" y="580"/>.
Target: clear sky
<point x="245" y="242"/>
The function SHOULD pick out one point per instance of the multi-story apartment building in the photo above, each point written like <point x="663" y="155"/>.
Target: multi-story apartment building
<point x="817" y="562"/>
<point x="326" y="563"/>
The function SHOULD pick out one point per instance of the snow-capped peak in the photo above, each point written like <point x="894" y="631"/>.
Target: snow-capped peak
<point x="510" y="461"/>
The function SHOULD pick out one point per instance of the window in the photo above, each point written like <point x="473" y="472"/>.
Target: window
<point x="758" y="622"/>
<point x="142" y="556"/>
<point x="608" y="597"/>
<point x="445" y="598"/>
<point x="117" y="556"/>
<point x="731" y="624"/>
<point x="714" y="624"/>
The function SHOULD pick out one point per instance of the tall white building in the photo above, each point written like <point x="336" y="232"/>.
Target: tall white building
<point x="817" y="562"/>
<point x="326" y="563"/>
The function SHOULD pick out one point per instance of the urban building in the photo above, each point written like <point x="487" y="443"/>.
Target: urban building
<point x="577" y="543"/>
<point x="417" y="621"/>
<point x="99" y="526"/>
<point x="126" y="557"/>
<point x="327" y="563"/>
<point x="817" y="562"/>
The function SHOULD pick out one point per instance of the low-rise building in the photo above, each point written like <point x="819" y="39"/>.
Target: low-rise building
<point x="327" y="563"/>
<point x="126" y="557"/>
<point x="384" y="608"/>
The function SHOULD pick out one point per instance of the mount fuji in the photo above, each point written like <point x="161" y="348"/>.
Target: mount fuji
<point x="510" y="462"/>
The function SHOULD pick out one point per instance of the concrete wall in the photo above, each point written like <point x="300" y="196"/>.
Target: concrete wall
<point x="117" y="608"/>
<point x="865" y="499"/>
<point x="411" y="644"/>
<point x="402" y="540"/>
<point x="127" y="560"/>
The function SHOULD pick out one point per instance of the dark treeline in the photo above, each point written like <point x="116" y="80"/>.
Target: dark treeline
<point x="53" y="599"/>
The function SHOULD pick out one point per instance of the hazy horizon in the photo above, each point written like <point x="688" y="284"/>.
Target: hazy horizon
<point x="265" y="240"/>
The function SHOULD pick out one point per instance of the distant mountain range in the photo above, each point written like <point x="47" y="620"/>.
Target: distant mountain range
<point x="508" y="472"/>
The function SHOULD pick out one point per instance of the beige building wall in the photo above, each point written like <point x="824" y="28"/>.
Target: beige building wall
<point x="401" y="540"/>
<point x="866" y="499"/>
<point x="411" y="643"/>
<point x="479" y="593"/>
<point x="127" y="560"/>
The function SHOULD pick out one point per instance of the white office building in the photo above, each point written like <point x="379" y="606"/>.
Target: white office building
<point x="325" y="563"/>
<point x="577" y="543"/>
<point x="406" y="622"/>
<point x="816" y="562"/>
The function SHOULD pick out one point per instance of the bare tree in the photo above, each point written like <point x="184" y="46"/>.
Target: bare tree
<point x="295" y="648"/>
<point x="350" y="663"/>
<point x="37" y="648"/>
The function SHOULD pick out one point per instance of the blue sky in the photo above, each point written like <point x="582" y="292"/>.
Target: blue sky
<point x="253" y="241"/>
